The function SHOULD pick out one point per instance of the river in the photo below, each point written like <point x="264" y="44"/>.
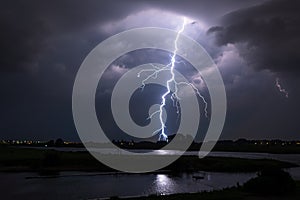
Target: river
<point x="78" y="185"/>
<point x="86" y="185"/>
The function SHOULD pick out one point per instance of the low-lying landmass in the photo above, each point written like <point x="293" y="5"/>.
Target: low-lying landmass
<point x="240" y="145"/>
<point x="39" y="160"/>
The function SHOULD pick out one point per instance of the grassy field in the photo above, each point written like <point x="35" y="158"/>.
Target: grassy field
<point x="18" y="159"/>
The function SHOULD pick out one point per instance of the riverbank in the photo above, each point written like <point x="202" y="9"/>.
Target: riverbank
<point x="225" y="194"/>
<point x="47" y="161"/>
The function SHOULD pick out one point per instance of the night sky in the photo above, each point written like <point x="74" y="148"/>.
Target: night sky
<point x="253" y="42"/>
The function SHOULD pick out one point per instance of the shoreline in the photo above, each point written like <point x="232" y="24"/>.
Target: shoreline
<point x="227" y="193"/>
<point x="51" y="161"/>
<point x="218" y="148"/>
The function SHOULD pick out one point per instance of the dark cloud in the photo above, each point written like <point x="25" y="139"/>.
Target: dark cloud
<point x="256" y="109"/>
<point x="50" y="39"/>
<point x="21" y="37"/>
<point x="206" y="10"/>
<point x="267" y="35"/>
<point x="28" y="28"/>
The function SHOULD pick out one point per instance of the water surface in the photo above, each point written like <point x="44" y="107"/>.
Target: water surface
<point x="78" y="185"/>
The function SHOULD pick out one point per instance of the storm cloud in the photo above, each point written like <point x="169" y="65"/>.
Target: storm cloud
<point x="266" y="35"/>
<point x="43" y="44"/>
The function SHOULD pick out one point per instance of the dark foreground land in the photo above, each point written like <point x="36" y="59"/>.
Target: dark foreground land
<point x="272" y="182"/>
<point x="18" y="159"/>
<point x="227" y="194"/>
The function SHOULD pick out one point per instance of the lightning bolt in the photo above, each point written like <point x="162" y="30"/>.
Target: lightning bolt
<point x="154" y="71"/>
<point x="281" y="89"/>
